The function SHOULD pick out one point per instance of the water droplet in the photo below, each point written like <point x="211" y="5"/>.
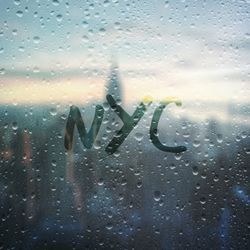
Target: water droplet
<point x="139" y="184"/>
<point x="53" y="162"/>
<point x="195" y="170"/>
<point x="53" y="111"/>
<point x="14" y="126"/>
<point x="106" y="3"/>
<point x="85" y="39"/>
<point x="100" y="182"/>
<point x="59" y="17"/>
<point x="102" y="31"/>
<point x="109" y="226"/>
<point x="219" y="138"/>
<point x="2" y="71"/>
<point x="157" y="195"/>
<point x="138" y="136"/>
<point x="56" y="2"/>
<point x="17" y="2"/>
<point x="36" y="39"/>
<point x="196" y="143"/>
<point x="203" y="200"/>
<point x="19" y="13"/>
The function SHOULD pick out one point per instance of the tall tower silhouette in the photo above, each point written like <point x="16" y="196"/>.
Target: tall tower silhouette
<point x="113" y="86"/>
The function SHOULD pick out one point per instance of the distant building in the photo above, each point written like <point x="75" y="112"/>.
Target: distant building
<point x="113" y="86"/>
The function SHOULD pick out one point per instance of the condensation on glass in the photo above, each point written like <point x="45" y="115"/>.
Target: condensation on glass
<point x="156" y="154"/>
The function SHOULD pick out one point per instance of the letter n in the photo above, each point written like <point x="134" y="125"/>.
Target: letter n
<point x="75" y="119"/>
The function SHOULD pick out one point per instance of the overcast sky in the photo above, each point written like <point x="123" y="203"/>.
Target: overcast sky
<point x="61" y="51"/>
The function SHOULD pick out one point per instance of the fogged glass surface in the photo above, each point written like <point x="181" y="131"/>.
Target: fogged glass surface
<point x="124" y="124"/>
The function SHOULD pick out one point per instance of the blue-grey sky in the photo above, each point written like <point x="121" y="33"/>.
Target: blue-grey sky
<point x="63" y="49"/>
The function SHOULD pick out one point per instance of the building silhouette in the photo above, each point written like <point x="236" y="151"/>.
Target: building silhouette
<point x="114" y="86"/>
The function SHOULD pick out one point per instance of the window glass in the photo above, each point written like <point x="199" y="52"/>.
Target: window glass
<point x="124" y="124"/>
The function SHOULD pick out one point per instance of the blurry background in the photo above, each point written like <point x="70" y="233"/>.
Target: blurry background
<point x="54" y="54"/>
